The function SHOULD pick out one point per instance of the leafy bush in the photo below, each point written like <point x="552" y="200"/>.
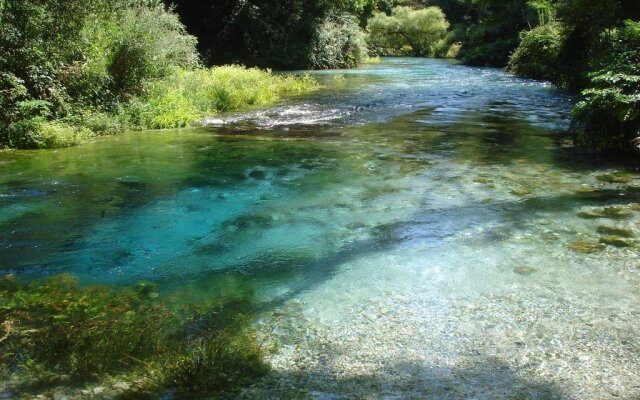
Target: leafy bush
<point x="338" y="43"/>
<point x="408" y="32"/>
<point x="127" y="47"/>
<point x="453" y="51"/>
<point x="537" y="56"/>
<point x="60" y="58"/>
<point x="609" y="114"/>
<point x="491" y="32"/>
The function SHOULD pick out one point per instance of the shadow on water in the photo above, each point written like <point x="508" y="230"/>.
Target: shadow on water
<point x="489" y="379"/>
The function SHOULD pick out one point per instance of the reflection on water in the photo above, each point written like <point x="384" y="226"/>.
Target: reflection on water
<point x="410" y="176"/>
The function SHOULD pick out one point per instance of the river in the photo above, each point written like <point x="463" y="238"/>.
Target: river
<point x="415" y="229"/>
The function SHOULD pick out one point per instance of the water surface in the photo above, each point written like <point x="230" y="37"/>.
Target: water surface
<point x="441" y="186"/>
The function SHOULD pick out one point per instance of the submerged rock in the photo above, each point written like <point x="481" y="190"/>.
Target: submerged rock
<point x="615" y="231"/>
<point x="616" y="241"/>
<point x="521" y="192"/>
<point x="586" y="246"/>
<point x="131" y="182"/>
<point x="586" y="189"/>
<point x="249" y="221"/>
<point x="616" y="177"/>
<point x="258" y="174"/>
<point x="482" y="179"/>
<point x="524" y="270"/>
<point x="606" y="212"/>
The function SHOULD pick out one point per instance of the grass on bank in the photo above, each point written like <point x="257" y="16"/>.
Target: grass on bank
<point x="55" y="328"/>
<point x="187" y="96"/>
<point x="176" y="101"/>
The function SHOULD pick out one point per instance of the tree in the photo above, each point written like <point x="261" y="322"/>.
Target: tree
<point x="408" y="32"/>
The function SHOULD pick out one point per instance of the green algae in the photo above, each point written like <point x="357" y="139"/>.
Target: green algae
<point x="614" y="212"/>
<point x="586" y="246"/>
<point x="521" y="192"/>
<point x="616" y="177"/>
<point x="615" y="231"/>
<point x="616" y="241"/>
<point x="56" y="328"/>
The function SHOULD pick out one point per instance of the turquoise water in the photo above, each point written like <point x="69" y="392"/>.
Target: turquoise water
<point x="414" y="229"/>
<point x="388" y="155"/>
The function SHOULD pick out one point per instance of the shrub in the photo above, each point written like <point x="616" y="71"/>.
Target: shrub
<point x="70" y="56"/>
<point x="609" y="114"/>
<point x="408" y="32"/>
<point x="338" y="43"/>
<point x="537" y="56"/>
<point x="453" y="51"/>
<point x="126" y="47"/>
<point x="99" y="122"/>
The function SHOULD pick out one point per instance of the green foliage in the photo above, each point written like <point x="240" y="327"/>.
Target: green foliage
<point x="546" y="9"/>
<point x="537" y="56"/>
<point x="338" y="43"/>
<point x="609" y="114"/>
<point x="407" y="31"/>
<point x="453" y="51"/>
<point x="187" y="95"/>
<point x="56" y="327"/>
<point x="584" y="22"/>
<point x="73" y="69"/>
<point x="269" y="33"/>
<point x="123" y="49"/>
<point x="60" y="58"/>
<point x="491" y="33"/>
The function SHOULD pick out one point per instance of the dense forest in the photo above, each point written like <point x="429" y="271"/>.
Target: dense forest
<point x="71" y="70"/>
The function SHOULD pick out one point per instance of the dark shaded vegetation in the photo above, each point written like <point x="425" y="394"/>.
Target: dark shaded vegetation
<point x="278" y="34"/>
<point x="56" y="328"/>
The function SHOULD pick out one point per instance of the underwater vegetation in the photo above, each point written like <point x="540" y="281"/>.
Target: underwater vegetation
<point x="56" y="330"/>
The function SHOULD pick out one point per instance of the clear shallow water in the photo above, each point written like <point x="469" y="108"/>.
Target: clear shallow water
<point x="416" y="180"/>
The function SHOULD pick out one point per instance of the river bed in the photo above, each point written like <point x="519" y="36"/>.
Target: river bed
<point x="416" y="229"/>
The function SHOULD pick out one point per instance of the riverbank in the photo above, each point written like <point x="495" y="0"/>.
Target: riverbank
<point x="179" y="100"/>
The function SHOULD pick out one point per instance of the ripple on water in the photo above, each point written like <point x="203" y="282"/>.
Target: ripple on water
<point x="415" y="229"/>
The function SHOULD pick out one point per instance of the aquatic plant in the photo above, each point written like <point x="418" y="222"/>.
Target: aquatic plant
<point x="56" y="327"/>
